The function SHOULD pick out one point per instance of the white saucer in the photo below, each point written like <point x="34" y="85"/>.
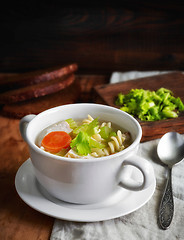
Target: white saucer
<point x="121" y="203"/>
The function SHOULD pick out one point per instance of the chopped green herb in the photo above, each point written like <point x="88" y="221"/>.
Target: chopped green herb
<point x="150" y="105"/>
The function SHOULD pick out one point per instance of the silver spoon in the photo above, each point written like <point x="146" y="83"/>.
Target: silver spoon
<point x="170" y="150"/>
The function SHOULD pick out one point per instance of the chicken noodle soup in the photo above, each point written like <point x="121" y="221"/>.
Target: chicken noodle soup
<point x="87" y="138"/>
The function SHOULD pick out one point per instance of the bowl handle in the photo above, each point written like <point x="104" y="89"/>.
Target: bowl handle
<point x="145" y="168"/>
<point x="23" y="125"/>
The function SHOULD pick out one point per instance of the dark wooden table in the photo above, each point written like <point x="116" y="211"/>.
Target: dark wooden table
<point x="17" y="220"/>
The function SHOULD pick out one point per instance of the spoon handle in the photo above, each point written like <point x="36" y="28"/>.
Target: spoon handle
<point x="166" y="209"/>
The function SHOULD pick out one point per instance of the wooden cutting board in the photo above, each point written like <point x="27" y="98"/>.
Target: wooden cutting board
<point x="106" y="94"/>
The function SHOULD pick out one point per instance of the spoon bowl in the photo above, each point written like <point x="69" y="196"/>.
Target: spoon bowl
<point x="170" y="150"/>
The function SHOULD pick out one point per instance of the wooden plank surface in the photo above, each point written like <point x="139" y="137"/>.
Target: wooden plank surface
<point x="107" y="93"/>
<point x="17" y="220"/>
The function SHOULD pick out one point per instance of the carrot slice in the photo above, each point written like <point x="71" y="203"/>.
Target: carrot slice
<point x="55" y="141"/>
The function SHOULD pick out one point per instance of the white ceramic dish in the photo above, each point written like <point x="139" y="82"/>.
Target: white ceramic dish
<point x="121" y="203"/>
<point x="86" y="181"/>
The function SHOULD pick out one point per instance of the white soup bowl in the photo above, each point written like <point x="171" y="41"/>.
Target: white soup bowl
<point x="86" y="181"/>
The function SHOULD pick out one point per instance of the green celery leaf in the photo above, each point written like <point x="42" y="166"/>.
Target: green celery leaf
<point x="94" y="144"/>
<point x="81" y="143"/>
<point x="179" y="104"/>
<point x="80" y="128"/>
<point x="92" y="127"/>
<point x="168" y="113"/>
<point x="120" y="98"/>
<point x="105" y="132"/>
<point x="71" y="123"/>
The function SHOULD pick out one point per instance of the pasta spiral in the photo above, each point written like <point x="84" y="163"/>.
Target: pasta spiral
<point x="88" y="120"/>
<point x="116" y="144"/>
<point x="97" y="137"/>
<point x="100" y="152"/>
<point x="108" y="124"/>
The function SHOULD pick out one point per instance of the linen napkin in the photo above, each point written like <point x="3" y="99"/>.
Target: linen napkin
<point x="142" y="223"/>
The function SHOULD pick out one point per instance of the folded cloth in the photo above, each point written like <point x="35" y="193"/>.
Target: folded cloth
<point x="142" y="223"/>
<point x="120" y="77"/>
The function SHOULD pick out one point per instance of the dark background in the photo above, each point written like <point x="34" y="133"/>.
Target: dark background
<point x="133" y="35"/>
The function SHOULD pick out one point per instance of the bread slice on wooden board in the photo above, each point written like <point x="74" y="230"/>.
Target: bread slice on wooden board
<point x="68" y="95"/>
<point x="37" y="90"/>
<point x="9" y="82"/>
